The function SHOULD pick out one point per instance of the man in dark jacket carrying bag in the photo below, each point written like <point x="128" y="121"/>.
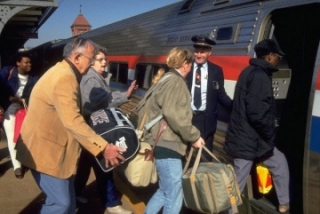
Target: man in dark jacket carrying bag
<point x="251" y="130"/>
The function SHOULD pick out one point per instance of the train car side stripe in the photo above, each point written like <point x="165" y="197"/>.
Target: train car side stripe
<point x="318" y="80"/>
<point x="316" y="104"/>
<point x="231" y="65"/>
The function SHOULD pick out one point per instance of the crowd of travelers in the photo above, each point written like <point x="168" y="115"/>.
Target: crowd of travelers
<point x="58" y="147"/>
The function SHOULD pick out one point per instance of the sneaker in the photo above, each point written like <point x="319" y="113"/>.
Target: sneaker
<point x="82" y="200"/>
<point x="117" y="210"/>
<point x="284" y="208"/>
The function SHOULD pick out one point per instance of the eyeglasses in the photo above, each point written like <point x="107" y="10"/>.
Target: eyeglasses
<point x="279" y="56"/>
<point x="90" y="59"/>
<point x="101" y="60"/>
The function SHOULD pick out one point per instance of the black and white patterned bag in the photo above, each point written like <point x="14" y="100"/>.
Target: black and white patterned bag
<point x="114" y="126"/>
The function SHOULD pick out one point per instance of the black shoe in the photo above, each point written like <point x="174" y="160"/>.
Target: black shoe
<point x="19" y="173"/>
<point x="82" y="200"/>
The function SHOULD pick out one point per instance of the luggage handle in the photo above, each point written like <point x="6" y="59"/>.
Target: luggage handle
<point x="197" y="161"/>
<point x="194" y="169"/>
<point x="232" y="199"/>
<point x="115" y="112"/>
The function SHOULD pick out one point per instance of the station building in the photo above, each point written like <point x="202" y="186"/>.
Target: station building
<point x="20" y="21"/>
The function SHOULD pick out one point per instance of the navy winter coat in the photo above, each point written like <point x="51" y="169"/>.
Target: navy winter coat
<point x="10" y="85"/>
<point x="251" y="130"/>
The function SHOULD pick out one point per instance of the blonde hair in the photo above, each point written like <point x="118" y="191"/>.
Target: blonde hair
<point x="175" y="59"/>
<point x="177" y="56"/>
<point x="158" y="76"/>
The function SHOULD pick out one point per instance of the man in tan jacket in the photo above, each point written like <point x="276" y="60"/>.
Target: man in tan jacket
<point x="54" y="129"/>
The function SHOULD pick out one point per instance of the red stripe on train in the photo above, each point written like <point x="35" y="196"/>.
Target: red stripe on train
<point x="232" y="65"/>
<point x="318" y="80"/>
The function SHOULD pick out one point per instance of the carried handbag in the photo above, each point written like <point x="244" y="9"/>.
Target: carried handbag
<point x="114" y="126"/>
<point x="264" y="178"/>
<point x="210" y="187"/>
<point x="20" y="115"/>
<point x="141" y="170"/>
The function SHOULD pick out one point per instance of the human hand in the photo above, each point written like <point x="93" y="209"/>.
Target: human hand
<point x="112" y="155"/>
<point x="200" y="142"/>
<point x="132" y="88"/>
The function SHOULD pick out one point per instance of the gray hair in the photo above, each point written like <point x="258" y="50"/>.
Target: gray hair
<point x="102" y="49"/>
<point x="78" y="45"/>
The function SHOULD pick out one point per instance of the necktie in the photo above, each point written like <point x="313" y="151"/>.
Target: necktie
<point x="197" y="88"/>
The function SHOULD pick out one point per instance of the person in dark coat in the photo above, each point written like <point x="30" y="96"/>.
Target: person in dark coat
<point x="207" y="90"/>
<point x="16" y="83"/>
<point x="252" y="126"/>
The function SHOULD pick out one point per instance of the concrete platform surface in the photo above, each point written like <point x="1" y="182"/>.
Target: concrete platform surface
<point x="24" y="196"/>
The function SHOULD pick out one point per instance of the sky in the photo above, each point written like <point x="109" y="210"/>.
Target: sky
<point x="97" y="12"/>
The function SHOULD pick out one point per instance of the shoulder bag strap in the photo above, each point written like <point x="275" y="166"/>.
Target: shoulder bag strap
<point x="163" y="126"/>
<point x="24" y="104"/>
<point x="116" y="117"/>
<point x="10" y="73"/>
<point x="232" y="198"/>
<point x="148" y="94"/>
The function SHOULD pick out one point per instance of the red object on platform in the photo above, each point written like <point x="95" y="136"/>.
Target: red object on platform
<point x="20" y="115"/>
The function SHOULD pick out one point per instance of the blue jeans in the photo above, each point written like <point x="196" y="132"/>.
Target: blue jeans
<point x="60" y="195"/>
<point x="169" y="195"/>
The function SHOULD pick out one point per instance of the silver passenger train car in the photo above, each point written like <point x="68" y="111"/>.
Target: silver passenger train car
<point x="138" y="46"/>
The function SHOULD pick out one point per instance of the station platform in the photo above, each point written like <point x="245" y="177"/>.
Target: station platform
<point x="24" y="196"/>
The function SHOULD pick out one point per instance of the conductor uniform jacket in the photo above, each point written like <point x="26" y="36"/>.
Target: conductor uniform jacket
<point x="54" y="128"/>
<point x="214" y="95"/>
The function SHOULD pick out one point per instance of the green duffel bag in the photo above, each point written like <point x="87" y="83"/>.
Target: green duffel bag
<point x="210" y="187"/>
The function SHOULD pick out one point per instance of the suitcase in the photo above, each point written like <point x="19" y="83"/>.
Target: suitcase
<point x="210" y="187"/>
<point x="113" y="125"/>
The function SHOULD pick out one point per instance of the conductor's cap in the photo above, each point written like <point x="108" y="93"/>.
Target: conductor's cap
<point x="266" y="47"/>
<point x="202" y="42"/>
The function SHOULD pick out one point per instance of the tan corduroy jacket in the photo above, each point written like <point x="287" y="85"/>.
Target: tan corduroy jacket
<point x="54" y="128"/>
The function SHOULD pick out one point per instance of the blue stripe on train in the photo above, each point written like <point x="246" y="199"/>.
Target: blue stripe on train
<point x="315" y="134"/>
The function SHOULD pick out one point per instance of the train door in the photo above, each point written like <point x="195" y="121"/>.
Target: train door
<point x="294" y="30"/>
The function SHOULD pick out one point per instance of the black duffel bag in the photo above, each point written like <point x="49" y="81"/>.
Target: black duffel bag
<point x="113" y="125"/>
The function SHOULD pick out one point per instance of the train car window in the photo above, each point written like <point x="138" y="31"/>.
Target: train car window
<point x="123" y="73"/>
<point x="119" y="72"/>
<point x="186" y="6"/>
<point x="224" y="33"/>
<point x="113" y="69"/>
<point x="144" y="73"/>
